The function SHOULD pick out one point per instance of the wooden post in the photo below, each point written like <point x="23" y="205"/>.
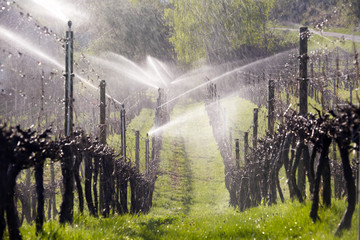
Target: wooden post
<point x="53" y="188"/>
<point x="303" y="71"/>
<point x="356" y="82"/>
<point x="303" y="99"/>
<point x="102" y="112"/>
<point x="137" y="149"/>
<point x="123" y="133"/>
<point x="255" y="130"/>
<point x="147" y="154"/>
<point x="237" y="154"/>
<point x="246" y="147"/>
<point x="313" y="91"/>
<point x="271" y="107"/>
<point x="350" y="87"/>
<point x="336" y="81"/>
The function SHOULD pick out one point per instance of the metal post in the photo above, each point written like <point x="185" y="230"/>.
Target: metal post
<point x="147" y="153"/>
<point x="69" y="82"/>
<point x="102" y="112"/>
<point x="271" y="107"/>
<point x="255" y="130"/>
<point x="137" y="149"/>
<point x="237" y="154"/>
<point x="123" y="132"/>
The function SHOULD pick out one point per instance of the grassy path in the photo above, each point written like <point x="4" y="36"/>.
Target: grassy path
<point x="192" y="172"/>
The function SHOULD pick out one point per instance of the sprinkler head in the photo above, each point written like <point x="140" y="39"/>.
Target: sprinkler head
<point x="69" y="24"/>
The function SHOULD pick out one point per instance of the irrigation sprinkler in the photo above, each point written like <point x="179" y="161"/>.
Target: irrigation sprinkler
<point x="123" y="132"/>
<point x="69" y="82"/>
<point x="102" y="112"/>
<point x="147" y="154"/>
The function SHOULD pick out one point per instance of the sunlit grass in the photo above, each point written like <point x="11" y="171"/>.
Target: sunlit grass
<point x="281" y="221"/>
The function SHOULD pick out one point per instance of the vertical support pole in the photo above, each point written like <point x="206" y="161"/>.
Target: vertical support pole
<point x="271" y="107"/>
<point x="137" y="150"/>
<point x="27" y="210"/>
<point x="69" y="82"/>
<point x="53" y="195"/>
<point x="303" y="101"/>
<point x="303" y="98"/>
<point x="356" y="82"/>
<point x="102" y="112"/>
<point x="93" y="121"/>
<point x="255" y="130"/>
<point x="358" y="192"/>
<point x="123" y="133"/>
<point x="102" y="139"/>
<point x="313" y="92"/>
<point x="336" y="81"/>
<point x="147" y="154"/>
<point x="322" y="87"/>
<point x="350" y="87"/>
<point x="246" y="147"/>
<point x="237" y="154"/>
<point x="158" y="108"/>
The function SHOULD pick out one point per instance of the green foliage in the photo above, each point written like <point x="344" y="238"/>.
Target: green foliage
<point x="215" y="30"/>
<point x="318" y="13"/>
<point x="133" y="28"/>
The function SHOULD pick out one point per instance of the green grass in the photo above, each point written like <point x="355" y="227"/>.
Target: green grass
<point x="282" y="221"/>
<point x="191" y="171"/>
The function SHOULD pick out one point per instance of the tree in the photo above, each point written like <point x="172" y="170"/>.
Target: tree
<point x="133" y="28"/>
<point x="217" y="30"/>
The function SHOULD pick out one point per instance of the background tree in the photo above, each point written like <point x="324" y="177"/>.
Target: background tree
<point x="134" y="29"/>
<point x="216" y="31"/>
